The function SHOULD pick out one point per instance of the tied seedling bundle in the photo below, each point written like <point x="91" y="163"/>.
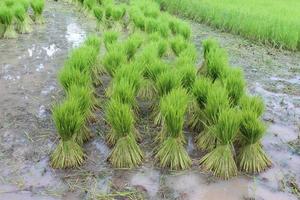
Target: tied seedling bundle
<point x="126" y="153"/>
<point x="171" y="152"/>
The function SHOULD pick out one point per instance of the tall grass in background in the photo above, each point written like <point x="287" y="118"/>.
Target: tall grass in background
<point x="271" y="22"/>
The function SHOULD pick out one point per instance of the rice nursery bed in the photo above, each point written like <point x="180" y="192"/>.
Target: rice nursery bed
<point x="275" y="23"/>
<point x="138" y="91"/>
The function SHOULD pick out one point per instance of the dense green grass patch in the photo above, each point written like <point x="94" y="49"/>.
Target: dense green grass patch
<point x="271" y="22"/>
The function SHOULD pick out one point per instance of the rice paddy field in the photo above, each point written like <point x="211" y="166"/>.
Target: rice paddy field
<point x="129" y="100"/>
<point x="274" y="23"/>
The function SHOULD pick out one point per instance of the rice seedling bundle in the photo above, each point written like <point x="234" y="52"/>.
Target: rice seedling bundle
<point x="220" y="161"/>
<point x="38" y="7"/>
<point x="178" y="44"/>
<point x="69" y="76"/>
<point x="89" y="5"/>
<point x="251" y="156"/>
<point x="118" y="12"/>
<point x="6" y="18"/>
<point x="126" y="152"/>
<point x="235" y="84"/>
<point x="217" y="100"/>
<point x="216" y="64"/>
<point x="252" y="103"/>
<point x="200" y="90"/>
<point x="113" y="60"/>
<point x="167" y="81"/>
<point x="68" y="121"/>
<point x="137" y="17"/>
<point x="93" y="41"/>
<point x="179" y="28"/>
<point x="86" y="103"/>
<point x="110" y="38"/>
<point x="98" y="13"/>
<point x="132" y="44"/>
<point x="171" y="152"/>
<point x="22" y="24"/>
<point x="187" y="74"/>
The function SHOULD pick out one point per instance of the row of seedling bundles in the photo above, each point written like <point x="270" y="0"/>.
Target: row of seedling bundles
<point x="157" y="62"/>
<point x="75" y="112"/>
<point x="15" y="18"/>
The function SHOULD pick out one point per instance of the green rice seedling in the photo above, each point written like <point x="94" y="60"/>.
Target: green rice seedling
<point x="132" y="44"/>
<point x="89" y="5"/>
<point x="217" y="100"/>
<point x="86" y="100"/>
<point x="98" y="13"/>
<point x="216" y="64"/>
<point x="171" y="152"/>
<point x="113" y="60"/>
<point x="251" y="156"/>
<point x="38" y="7"/>
<point x="69" y="76"/>
<point x="126" y="152"/>
<point x="220" y="160"/>
<point x="200" y="90"/>
<point x="151" y="11"/>
<point x="26" y="5"/>
<point x="6" y="18"/>
<point x="137" y="17"/>
<point x="178" y="27"/>
<point x="9" y="3"/>
<point x="124" y="92"/>
<point x="22" y="25"/>
<point x="132" y="74"/>
<point x="178" y="44"/>
<point x="235" y="84"/>
<point x="190" y="53"/>
<point x="95" y="42"/>
<point x="84" y="58"/>
<point x="187" y="74"/>
<point x="163" y="29"/>
<point x="252" y="103"/>
<point x="108" y="11"/>
<point x="162" y="47"/>
<point x="118" y="12"/>
<point x="209" y="45"/>
<point x="121" y="119"/>
<point x="110" y="38"/>
<point x="151" y="25"/>
<point x="150" y="73"/>
<point x="68" y="121"/>
<point x="166" y="81"/>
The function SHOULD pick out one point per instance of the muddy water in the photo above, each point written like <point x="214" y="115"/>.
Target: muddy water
<point x="28" y="88"/>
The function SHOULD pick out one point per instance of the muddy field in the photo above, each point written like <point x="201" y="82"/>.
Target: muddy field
<point x="28" y="88"/>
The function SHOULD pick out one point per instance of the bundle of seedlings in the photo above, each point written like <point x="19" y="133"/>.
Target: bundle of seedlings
<point x="126" y="152"/>
<point x="88" y="6"/>
<point x="165" y="83"/>
<point x="26" y="5"/>
<point x="216" y="65"/>
<point x="98" y="13"/>
<point x="22" y="24"/>
<point x="69" y="76"/>
<point x="179" y="27"/>
<point x="118" y="12"/>
<point x="171" y="152"/>
<point x="220" y="161"/>
<point x="68" y="121"/>
<point x="38" y="7"/>
<point x="6" y="18"/>
<point x="132" y="44"/>
<point x="114" y="59"/>
<point x="137" y="18"/>
<point x="200" y="90"/>
<point x="178" y="44"/>
<point x="187" y="74"/>
<point x="234" y="83"/>
<point x="86" y="100"/>
<point x="253" y="103"/>
<point x="110" y="38"/>
<point x="251" y="156"/>
<point x="217" y="100"/>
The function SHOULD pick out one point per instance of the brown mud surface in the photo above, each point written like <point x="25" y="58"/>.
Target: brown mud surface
<point x="28" y="88"/>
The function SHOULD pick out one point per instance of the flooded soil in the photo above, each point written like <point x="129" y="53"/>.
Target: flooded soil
<point x="28" y="89"/>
